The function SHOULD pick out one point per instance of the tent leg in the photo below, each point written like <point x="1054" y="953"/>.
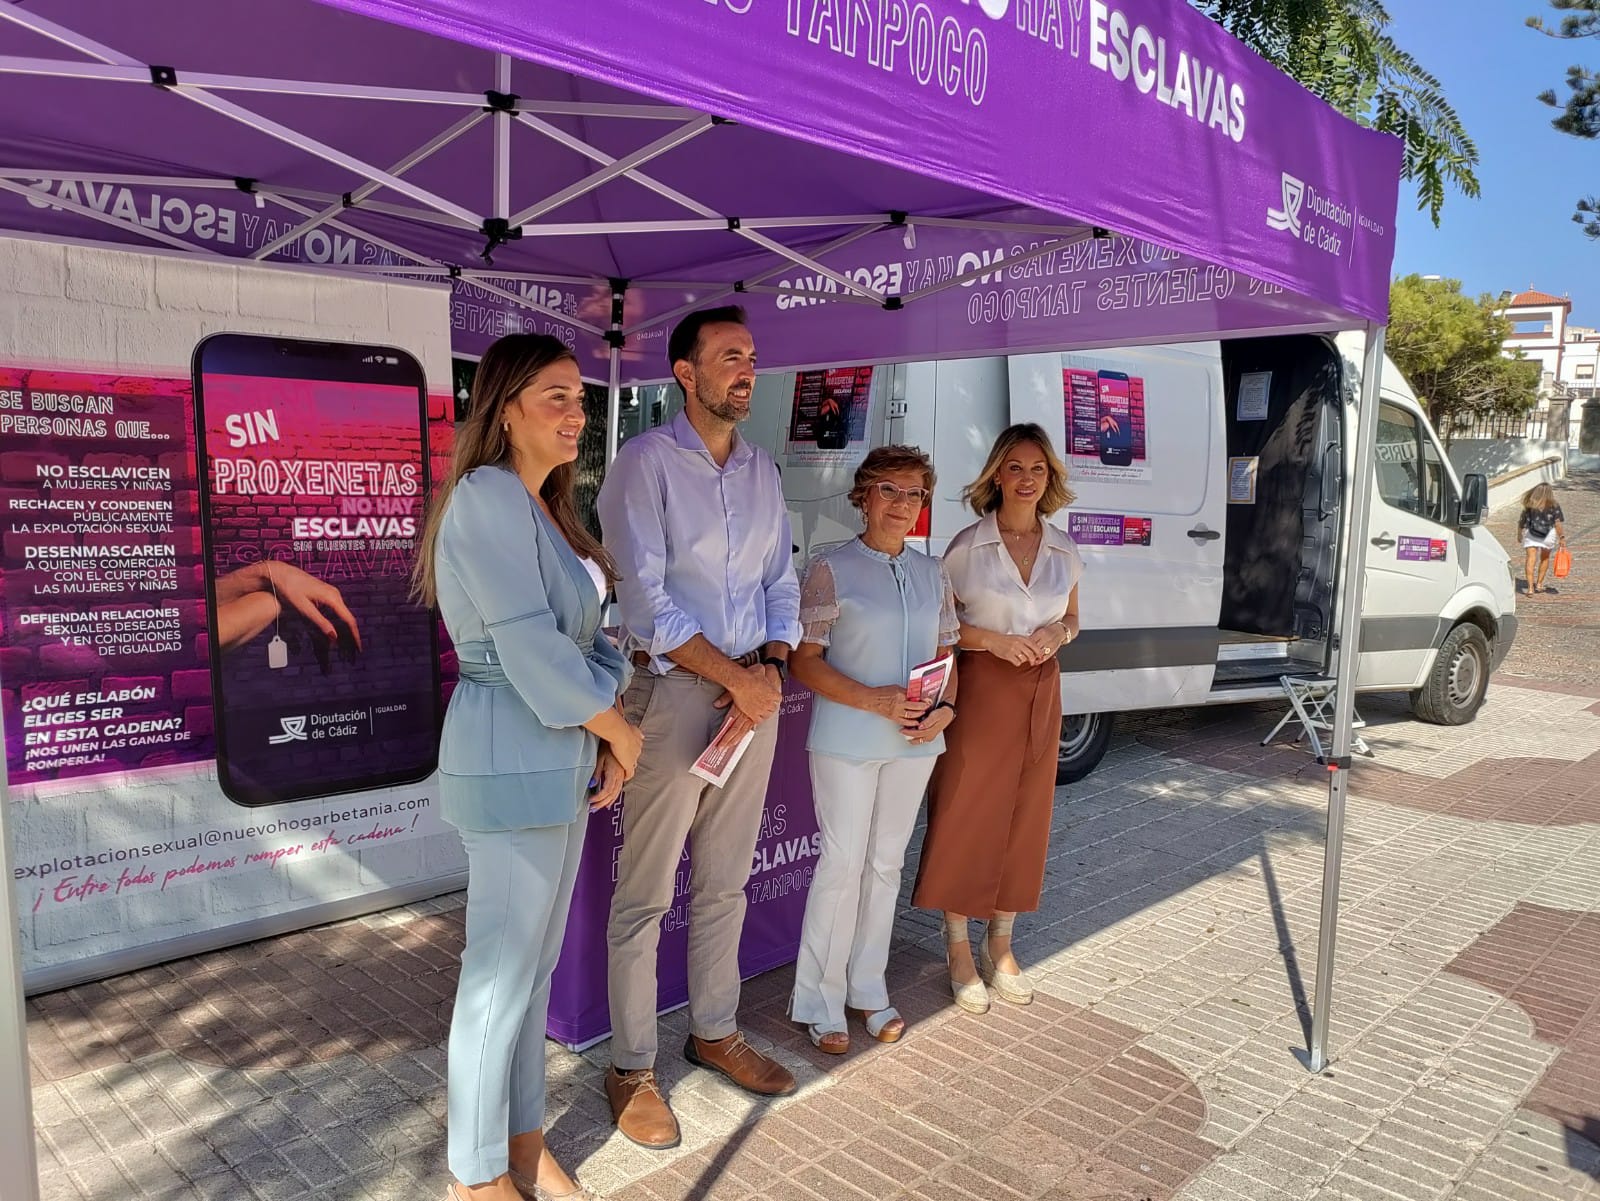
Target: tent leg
<point x="19" y="1174"/>
<point x="1351" y="591"/>
<point x="619" y="290"/>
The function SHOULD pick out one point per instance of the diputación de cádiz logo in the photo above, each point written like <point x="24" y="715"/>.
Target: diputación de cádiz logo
<point x="294" y="730"/>
<point x="1288" y="217"/>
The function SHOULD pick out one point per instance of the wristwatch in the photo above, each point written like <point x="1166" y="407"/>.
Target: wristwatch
<point x="780" y="665"/>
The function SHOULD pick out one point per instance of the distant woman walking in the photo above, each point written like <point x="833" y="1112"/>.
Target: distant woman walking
<point x="1541" y="530"/>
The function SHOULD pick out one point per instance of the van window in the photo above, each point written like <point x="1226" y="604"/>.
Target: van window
<point x="1411" y="474"/>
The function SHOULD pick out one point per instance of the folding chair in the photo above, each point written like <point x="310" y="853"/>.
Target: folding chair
<point x="1311" y="702"/>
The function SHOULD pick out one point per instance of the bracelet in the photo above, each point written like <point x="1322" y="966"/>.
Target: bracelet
<point x="945" y="705"/>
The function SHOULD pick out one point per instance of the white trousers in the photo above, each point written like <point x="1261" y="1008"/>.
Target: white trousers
<point x="866" y="812"/>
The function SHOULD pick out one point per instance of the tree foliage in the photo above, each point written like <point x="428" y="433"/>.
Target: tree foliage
<point x="1580" y="111"/>
<point x="1449" y="347"/>
<point x="1342" y="51"/>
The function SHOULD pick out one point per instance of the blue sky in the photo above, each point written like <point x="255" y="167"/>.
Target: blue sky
<point x="1519" y="232"/>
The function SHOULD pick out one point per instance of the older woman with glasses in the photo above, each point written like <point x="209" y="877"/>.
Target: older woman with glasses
<point x="871" y="610"/>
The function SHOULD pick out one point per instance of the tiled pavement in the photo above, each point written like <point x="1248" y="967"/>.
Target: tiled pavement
<point x="1174" y="955"/>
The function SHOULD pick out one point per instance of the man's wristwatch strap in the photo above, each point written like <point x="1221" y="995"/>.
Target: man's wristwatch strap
<point x="780" y="665"/>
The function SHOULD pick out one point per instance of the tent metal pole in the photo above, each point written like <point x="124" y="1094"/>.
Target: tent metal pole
<point x="120" y="64"/>
<point x="153" y="181"/>
<point x="118" y="68"/>
<point x="587" y="281"/>
<point x="614" y="380"/>
<point x="694" y="206"/>
<point x="1352" y="591"/>
<point x="502" y="141"/>
<point x="329" y="154"/>
<point x="725" y="289"/>
<point x="589" y="183"/>
<point x="1000" y="227"/>
<point x="423" y="260"/>
<point x="422" y="152"/>
<point x="19" y="1171"/>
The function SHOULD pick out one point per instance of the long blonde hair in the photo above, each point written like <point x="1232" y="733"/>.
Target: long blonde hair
<point x="1540" y="496"/>
<point x="507" y="367"/>
<point x="984" y="495"/>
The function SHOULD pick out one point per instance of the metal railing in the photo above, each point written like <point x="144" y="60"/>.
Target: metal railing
<point x="1553" y="424"/>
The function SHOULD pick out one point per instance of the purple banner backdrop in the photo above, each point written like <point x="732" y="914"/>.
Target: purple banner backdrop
<point x="1095" y="292"/>
<point x="1138" y="117"/>
<point x="780" y="880"/>
<point x="1143" y="116"/>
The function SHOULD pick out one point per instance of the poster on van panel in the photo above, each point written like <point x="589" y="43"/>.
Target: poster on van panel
<point x="1105" y="424"/>
<point x="828" y="419"/>
<point x="1109" y="529"/>
<point x="104" y="653"/>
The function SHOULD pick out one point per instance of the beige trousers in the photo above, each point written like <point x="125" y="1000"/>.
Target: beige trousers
<point x="665" y="807"/>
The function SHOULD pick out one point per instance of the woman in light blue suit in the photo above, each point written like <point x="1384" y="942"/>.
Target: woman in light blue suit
<point x="532" y="727"/>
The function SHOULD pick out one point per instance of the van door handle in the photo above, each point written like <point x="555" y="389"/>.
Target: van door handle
<point x="1201" y="534"/>
<point x="1383" y="542"/>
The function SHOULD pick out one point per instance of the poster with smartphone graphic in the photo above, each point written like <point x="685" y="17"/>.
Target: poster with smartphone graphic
<point x="313" y="472"/>
<point x="828" y="418"/>
<point x="1105" y="423"/>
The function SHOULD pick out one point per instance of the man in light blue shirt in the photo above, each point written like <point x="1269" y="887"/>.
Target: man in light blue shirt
<point x="694" y="516"/>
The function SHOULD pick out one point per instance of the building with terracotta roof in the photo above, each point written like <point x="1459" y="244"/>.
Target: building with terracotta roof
<point x="1539" y="330"/>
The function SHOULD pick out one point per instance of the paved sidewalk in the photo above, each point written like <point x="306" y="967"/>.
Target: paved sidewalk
<point x="1567" y="647"/>
<point x="1174" y="954"/>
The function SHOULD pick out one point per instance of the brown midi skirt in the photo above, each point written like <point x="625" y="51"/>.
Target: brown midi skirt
<point x="992" y="792"/>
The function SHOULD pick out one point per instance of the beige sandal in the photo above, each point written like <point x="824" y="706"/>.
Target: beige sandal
<point x="829" y="1042"/>
<point x="974" y="997"/>
<point x="885" y="1025"/>
<point x="531" y="1190"/>
<point x="1011" y="986"/>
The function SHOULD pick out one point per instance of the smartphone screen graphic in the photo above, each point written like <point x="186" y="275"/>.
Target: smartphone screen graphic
<point x="1115" y="419"/>
<point x="313" y="473"/>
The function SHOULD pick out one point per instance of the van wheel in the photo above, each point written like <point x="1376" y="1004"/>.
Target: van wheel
<point x="1454" y="689"/>
<point x="1085" y="738"/>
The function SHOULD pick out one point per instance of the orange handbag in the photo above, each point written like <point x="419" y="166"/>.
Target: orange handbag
<point x="1563" y="564"/>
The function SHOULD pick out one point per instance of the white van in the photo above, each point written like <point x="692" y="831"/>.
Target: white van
<point x="1209" y="520"/>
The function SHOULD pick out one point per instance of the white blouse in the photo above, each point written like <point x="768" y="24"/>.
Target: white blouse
<point x="990" y="593"/>
<point x="597" y="574"/>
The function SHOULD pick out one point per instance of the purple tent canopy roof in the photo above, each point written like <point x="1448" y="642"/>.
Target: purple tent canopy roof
<point x="1139" y="174"/>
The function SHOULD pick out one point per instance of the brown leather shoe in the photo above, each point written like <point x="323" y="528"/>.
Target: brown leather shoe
<point x="741" y="1063"/>
<point x="639" y="1109"/>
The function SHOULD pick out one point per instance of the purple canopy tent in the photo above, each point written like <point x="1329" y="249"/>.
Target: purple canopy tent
<point x="877" y="180"/>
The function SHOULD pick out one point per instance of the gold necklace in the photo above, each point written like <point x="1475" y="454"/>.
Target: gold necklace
<point x="1037" y="530"/>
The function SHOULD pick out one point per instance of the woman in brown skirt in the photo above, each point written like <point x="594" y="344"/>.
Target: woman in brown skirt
<point x="1016" y="583"/>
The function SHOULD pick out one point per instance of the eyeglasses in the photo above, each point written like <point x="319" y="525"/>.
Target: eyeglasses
<point x="891" y="493"/>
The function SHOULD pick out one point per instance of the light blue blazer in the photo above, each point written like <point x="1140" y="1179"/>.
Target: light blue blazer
<point x="524" y="616"/>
